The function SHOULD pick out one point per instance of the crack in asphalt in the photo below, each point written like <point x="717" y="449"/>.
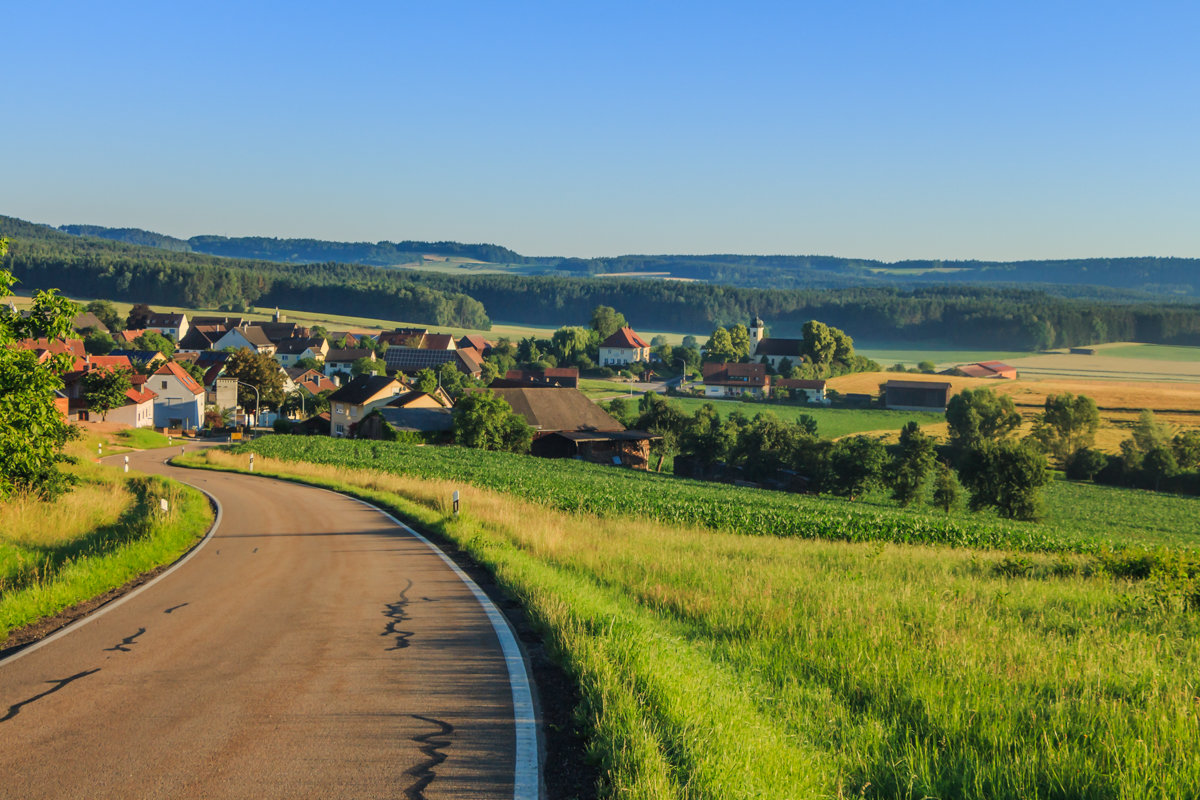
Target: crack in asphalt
<point x="432" y="744"/>
<point x="61" y="683"/>
<point x="124" y="644"/>
<point x="396" y="614"/>
<point x="174" y="608"/>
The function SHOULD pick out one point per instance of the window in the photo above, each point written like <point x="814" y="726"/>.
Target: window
<point x="339" y="409"/>
<point x="164" y="384"/>
<point x="339" y="429"/>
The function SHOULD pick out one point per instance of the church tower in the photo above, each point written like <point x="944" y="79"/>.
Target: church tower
<point x="757" y="331"/>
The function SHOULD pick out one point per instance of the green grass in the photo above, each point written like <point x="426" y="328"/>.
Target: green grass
<point x="716" y="666"/>
<point x="911" y="356"/>
<point x="576" y="486"/>
<point x="832" y="423"/>
<point x="143" y="438"/>
<point x="1154" y="352"/>
<point x="40" y="576"/>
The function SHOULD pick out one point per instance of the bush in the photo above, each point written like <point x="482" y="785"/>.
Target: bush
<point x="282" y="425"/>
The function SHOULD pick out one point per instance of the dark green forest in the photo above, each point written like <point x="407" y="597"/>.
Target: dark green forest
<point x="1133" y="278"/>
<point x="951" y="315"/>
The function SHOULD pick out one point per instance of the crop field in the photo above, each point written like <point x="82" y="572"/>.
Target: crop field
<point x="716" y="666"/>
<point x="832" y="423"/>
<point x="890" y="354"/>
<point x="1153" y="352"/>
<point x="575" y="486"/>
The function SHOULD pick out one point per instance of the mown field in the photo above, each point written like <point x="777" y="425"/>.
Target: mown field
<point x="103" y="533"/>
<point x="719" y="665"/>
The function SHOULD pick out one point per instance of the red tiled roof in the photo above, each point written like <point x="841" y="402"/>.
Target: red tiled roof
<point x="625" y="338"/>
<point x="109" y="362"/>
<point x="140" y="396"/>
<point x="189" y="383"/>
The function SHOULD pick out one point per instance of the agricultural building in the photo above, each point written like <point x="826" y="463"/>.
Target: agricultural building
<point x="917" y="395"/>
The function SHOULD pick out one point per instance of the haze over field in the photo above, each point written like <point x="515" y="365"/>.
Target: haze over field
<point x="1002" y="131"/>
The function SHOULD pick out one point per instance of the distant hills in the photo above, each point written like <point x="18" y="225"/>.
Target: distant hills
<point x="1135" y="278"/>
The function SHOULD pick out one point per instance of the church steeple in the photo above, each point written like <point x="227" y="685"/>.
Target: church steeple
<point x="758" y="329"/>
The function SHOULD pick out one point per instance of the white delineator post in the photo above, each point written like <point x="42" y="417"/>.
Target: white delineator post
<point x="252" y="462"/>
<point x="456" y="502"/>
<point x="127" y="463"/>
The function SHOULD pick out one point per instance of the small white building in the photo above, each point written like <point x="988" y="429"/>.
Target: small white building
<point x="138" y="411"/>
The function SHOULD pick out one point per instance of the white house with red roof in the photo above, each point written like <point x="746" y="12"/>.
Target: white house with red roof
<point x="623" y="348"/>
<point x="138" y="411"/>
<point x="180" y="400"/>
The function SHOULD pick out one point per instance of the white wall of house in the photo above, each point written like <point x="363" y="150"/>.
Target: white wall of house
<point x="135" y="415"/>
<point x="175" y="404"/>
<point x="623" y="356"/>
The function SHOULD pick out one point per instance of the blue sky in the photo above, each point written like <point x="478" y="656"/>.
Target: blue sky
<point x="877" y="130"/>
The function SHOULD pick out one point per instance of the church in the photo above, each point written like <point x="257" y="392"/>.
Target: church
<point x="773" y="349"/>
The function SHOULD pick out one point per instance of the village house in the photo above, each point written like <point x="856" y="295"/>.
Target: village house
<point x="410" y="361"/>
<point x="349" y="404"/>
<point x="735" y="380"/>
<point x="250" y="337"/>
<point x="180" y="400"/>
<point x="289" y="351"/>
<point x="809" y="391"/>
<point x="623" y="348"/>
<point x="138" y="410"/>
<point x="168" y="324"/>
<point x="337" y="360"/>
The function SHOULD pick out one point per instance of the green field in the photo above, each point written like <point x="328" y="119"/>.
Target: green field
<point x="1154" y="352"/>
<point x="714" y="665"/>
<point x="832" y="423"/>
<point x="911" y="356"/>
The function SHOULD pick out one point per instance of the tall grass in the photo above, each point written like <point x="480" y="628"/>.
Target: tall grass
<point x="721" y="666"/>
<point x="103" y="533"/>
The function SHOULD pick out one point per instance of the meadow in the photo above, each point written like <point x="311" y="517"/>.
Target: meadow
<point x="832" y="423"/>
<point x="717" y="665"/>
<point x="103" y="533"/>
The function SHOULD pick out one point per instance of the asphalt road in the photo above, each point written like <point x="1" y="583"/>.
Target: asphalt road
<point x="311" y="648"/>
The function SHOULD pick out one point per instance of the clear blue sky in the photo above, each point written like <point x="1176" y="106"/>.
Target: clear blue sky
<point x="882" y="130"/>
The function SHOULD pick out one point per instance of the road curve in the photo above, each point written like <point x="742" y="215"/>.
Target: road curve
<point x="312" y="648"/>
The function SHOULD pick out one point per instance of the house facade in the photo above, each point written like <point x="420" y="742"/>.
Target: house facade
<point x="349" y="404"/>
<point x="250" y="337"/>
<point x="138" y="410"/>
<point x="623" y="348"/>
<point x="180" y="399"/>
<point x="735" y="380"/>
<point x="809" y="391"/>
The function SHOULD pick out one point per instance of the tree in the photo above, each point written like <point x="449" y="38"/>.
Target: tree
<point x="452" y="379"/>
<point x="367" y="366"/>
<point x="720" y="347"/>
<point x="487" y="422"/>
<point x="1005" y="475"/>
<point x="1068" y="424"/>
<point x="1149" y="433"/>
<point x="910" y="465"/>
<point x="855" y="464"/>
<point x="606" y="321"/>
<point x="927" y="367"/>
<point x="427" y="381"/>
<point x="571" y="343"/>
<point x="153" y="340"/>
<point x="139" y="315"/>
<point x="32" y="431"/>
<point x="707" y="437"/>
<point x="1186" y="445"/>
<point x="976" y="416"/>
<point x="308" y="362"/>
<point x="259" y="370"/>
<point x="660" y="417"/>
<point x="946" y="488"/>
<point x="98" y="343"/>
<point x="739" y="338"/>
<point x="104" y="390"/>
<point x="818" y="344"/>
<point x="768" y="444"/>
<point x="106" y="312"/>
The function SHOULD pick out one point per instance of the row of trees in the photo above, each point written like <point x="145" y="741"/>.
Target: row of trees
<point x="823" y="351"/>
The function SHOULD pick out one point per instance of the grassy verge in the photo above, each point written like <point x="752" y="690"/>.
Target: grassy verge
<point x="142" y="438"/>
<point x="723" y="666"/>
<point x="108" y="530"/>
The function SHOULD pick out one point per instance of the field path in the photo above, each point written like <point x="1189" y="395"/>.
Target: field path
<point x="311" y="648"/>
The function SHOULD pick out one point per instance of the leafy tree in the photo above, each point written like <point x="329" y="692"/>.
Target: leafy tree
<point x="946" y="489"/>
<point x="453" y="380"/>
<point x="818" y="344"/>
<point x="570" y="343"/>
<point x="910" y="465"/>
<point x="485" y="421"/>
<point x="928" y="367"/>
<point x="768" y="444"/>
<point x="106" y="312"/>
<point x="308" y="362"/>
<point x="1068" y="424"/>
<point x="153" y="340"/>
<point x="259" y="370"/>
<point x="707" y="437"/>
<point x="192" y="368"/>
<point x="139" y="315"/>
<point x="855" y="464"/>
<point x="1005" y="475"/>
<point x="606" y="321"/>
<point x="1085" y="463"/>
<point x="104" y="390"/>
<point x="426" y="381"/>
<point x="618" y="409"/>
<point x="691" y="342"/>
<point x="720" y="347"/>
<point x="1149" y="433"/>
<point x="1159" y="463"/>
<point x="98" y="343"/>
<point x="739" y="338"/>
<point x="367" y="366"/>
<point x="660" y="417"/>
<point x="32" y="431"/>
<point x="976" y="416"/>
<point x="658" y="341"/>
<point x="1187" y="449"/>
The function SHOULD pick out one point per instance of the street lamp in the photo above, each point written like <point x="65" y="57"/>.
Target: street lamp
<point x="255" y="388"/>
<point x="682" y="372"/>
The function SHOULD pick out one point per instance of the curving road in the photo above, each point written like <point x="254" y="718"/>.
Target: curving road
<point x="311" y="648"/>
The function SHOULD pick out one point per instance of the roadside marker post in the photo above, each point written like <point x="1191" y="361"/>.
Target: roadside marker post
<point x="99" y="449"/>
<point x="456" y="502"/>
<point x="127" y="463"/>
<point x="252" y="462"/>
<point x="162" y="504"/>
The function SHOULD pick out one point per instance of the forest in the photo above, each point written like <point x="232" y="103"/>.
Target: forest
<point x="958" y="315"/>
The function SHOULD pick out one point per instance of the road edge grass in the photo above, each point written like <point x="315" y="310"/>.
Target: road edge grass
<point x="142" y="541"/>
<point x="619" y="662"/>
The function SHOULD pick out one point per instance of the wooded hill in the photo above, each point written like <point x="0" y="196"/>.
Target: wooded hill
<point x="957" y="315"/>
<point x="1164" y="277"/>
